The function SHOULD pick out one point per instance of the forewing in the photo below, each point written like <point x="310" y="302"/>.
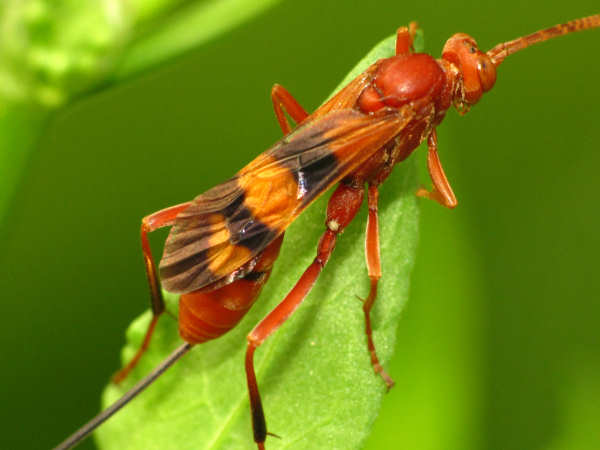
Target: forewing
<point x="228" y="225"/>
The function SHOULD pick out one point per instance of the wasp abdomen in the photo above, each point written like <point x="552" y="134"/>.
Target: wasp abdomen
<point x="206" y="315"/>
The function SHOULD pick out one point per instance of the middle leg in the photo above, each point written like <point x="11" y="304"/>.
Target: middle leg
<point x="373" y="258"/>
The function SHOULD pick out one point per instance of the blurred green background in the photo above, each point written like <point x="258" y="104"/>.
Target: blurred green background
<point x="499" y="345"/>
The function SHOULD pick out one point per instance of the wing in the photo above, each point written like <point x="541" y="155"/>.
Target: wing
<point x="230" y="224"/>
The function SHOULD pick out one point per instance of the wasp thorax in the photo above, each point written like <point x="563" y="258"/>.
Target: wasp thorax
<point x="403" y="79"/>
<point x="476" y="68"/>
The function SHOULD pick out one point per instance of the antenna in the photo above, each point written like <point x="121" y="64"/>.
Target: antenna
<point x="501" y="51"/>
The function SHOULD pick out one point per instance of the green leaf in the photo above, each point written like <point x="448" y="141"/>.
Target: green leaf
<point x="315" y="375"/>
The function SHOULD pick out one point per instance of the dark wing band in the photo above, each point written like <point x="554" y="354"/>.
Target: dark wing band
<point x="230" y="224"/>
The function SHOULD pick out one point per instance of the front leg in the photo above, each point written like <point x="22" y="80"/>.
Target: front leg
<point x="283" y="100"/>
<point x="405" y="39"/>
<point x="442" y="191"/>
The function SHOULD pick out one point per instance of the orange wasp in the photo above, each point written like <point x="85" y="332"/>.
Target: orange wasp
<point x="222" y="245"/>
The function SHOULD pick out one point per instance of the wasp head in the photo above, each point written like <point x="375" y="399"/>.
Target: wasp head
<point x="477" y="71"/>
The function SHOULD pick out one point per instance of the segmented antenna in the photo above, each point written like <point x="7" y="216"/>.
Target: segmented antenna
<point x="501" y="51"/>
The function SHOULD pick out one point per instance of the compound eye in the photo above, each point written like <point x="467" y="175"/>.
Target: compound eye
<point x="471" y="45"/>
<point x="487" y="72"/>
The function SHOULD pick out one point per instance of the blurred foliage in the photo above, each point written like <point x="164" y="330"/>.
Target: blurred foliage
<point x="52" y="51"/>
<point x="498" y="346"/>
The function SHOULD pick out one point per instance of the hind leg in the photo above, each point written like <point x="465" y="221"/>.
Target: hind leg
<point x="160" y="219"/>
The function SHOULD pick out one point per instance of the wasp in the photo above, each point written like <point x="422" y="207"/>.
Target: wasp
<point x="222" y="245"/>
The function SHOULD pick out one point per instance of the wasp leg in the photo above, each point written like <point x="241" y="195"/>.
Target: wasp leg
<point x="282" y="99"/>
<point x="341" y="209"/>
<point x="372" y="255"/>
<point x="160" y="219"/>
<point x="442" y="191"/>
<point x="405" y="38"/>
